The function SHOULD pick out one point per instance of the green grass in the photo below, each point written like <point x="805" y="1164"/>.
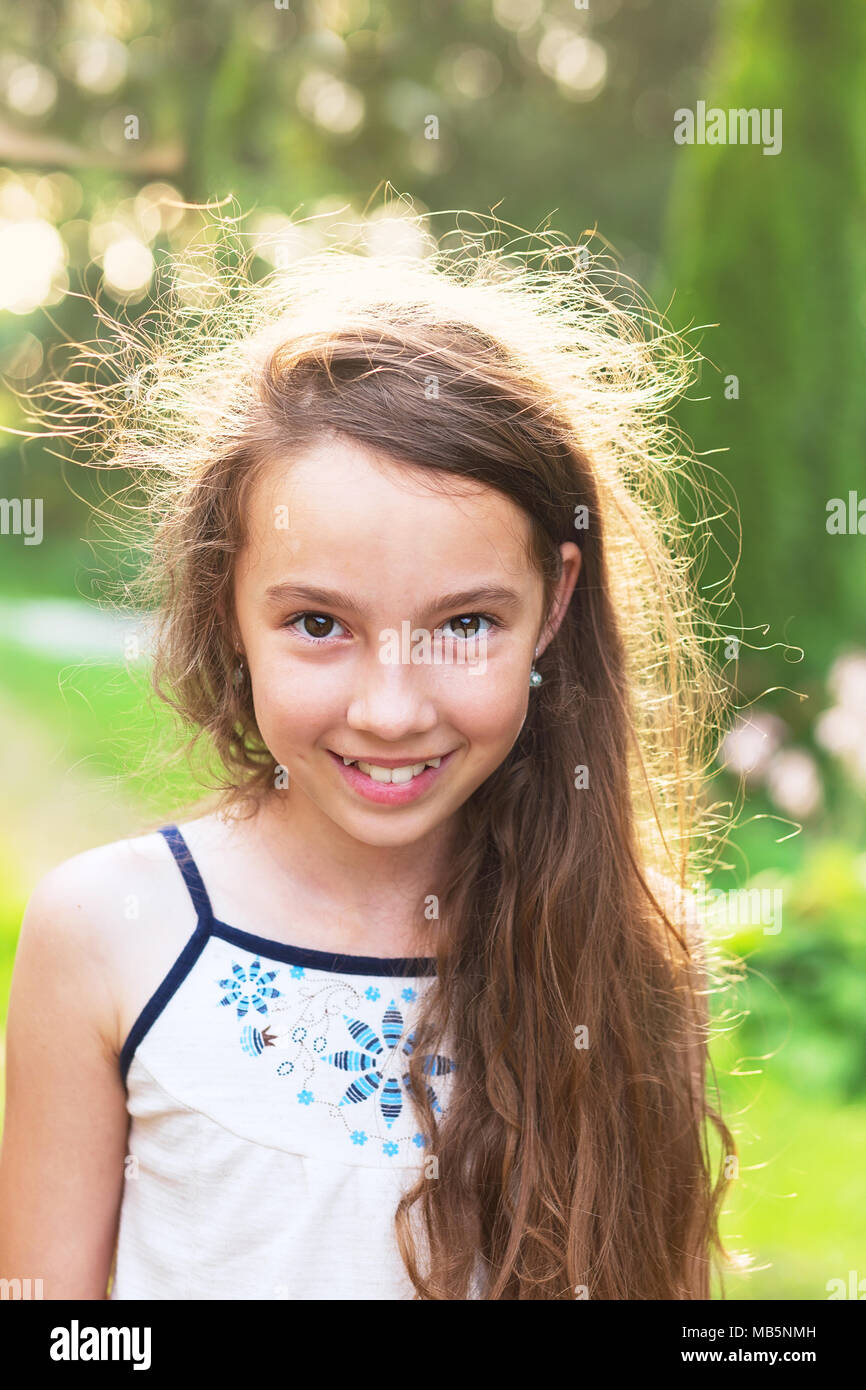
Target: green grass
<point x="106" y="720"/>
<point x="799" y="1203"/>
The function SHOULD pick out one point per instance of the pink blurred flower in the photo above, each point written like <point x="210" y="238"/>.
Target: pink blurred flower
<point x="842" y="728"/>
<point x="793" y="782"/>
<point x="748" y="747"/>
<point x="847" y="680"/>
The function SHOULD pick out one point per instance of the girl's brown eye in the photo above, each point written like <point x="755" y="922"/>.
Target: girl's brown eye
<point x="473" y="620"/>
<point x="313" y="625"/>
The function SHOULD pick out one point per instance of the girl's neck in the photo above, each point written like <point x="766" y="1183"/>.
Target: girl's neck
<point x="376" y="892"/>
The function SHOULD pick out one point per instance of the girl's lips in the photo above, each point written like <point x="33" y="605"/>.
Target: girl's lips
<point x="390" y="793"/>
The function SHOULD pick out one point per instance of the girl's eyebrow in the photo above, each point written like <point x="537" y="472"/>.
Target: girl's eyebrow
<point x="494" y="594"/>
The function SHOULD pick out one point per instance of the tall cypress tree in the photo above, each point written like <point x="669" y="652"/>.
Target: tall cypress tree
<point x="772" y="248"/>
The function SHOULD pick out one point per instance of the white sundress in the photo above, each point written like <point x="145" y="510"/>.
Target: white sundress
<point x="272" y="1131"/>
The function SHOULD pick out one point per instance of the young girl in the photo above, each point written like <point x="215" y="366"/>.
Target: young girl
<point x="417" y="1008"/>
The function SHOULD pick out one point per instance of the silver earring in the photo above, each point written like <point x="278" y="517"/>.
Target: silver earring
<point x="238" y="677"/>
<point x="535" y="677"/>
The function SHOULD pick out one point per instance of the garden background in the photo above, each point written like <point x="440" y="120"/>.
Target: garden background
<point x="552" y="114"/>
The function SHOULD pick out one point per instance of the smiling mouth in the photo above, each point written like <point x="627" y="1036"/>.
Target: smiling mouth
<point x="400" y="774"/>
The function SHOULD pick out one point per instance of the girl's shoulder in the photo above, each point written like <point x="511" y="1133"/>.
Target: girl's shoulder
<point x="113" y="918"/>
<point x="104" y="885"/>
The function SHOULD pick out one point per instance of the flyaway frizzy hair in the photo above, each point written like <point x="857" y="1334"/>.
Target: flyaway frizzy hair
<point x="574" y="1159"/>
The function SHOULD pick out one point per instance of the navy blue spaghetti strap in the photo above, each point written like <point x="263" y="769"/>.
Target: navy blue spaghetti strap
<point x="188" y="956"/>
<point x="305" y="956"/>
<point x="191" y="876"/>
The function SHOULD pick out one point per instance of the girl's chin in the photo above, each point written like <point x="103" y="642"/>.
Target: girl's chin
<point x="369" y="828"/>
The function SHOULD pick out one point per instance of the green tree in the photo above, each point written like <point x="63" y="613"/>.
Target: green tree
<point x="771" y="248"/>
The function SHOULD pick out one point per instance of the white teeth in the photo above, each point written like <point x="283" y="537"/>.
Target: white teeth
<point x="378" y="774"/>
<point x="399" y="775"/>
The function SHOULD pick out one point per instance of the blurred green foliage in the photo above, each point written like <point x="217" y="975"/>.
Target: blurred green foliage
<point x="801" y="1017"/>
<point x="769" y="249"/>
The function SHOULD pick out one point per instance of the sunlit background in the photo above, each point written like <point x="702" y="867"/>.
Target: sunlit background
<point x="115" y="114"/>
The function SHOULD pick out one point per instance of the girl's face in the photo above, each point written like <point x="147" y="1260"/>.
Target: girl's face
<point x="343" y="549"/>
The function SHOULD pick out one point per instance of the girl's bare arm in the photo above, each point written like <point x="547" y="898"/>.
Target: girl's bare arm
<point x="64" y="1140"/>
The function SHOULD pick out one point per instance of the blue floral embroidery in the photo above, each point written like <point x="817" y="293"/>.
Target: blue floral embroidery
<point x="374" y="1056"/>
<point x="245" y="989"/>
<point x="371" y="1060"/>
<point x="433" y="1066"/>
<point x="254" y="1042"/>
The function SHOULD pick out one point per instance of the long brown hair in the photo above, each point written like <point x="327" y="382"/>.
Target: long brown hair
<point x="573" y="1158"/>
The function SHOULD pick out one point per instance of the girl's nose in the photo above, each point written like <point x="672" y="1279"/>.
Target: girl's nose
<point x="392" y="700"/>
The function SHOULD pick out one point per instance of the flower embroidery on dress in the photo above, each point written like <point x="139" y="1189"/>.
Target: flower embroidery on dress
<point x="369" y="1064"/>
<point x="254" y="1042"/>
<point x="306" y="1020"/>
<point x="246" y="988"/>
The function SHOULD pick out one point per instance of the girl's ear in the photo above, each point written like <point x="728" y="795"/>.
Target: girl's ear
<point x="572" y="559"/>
